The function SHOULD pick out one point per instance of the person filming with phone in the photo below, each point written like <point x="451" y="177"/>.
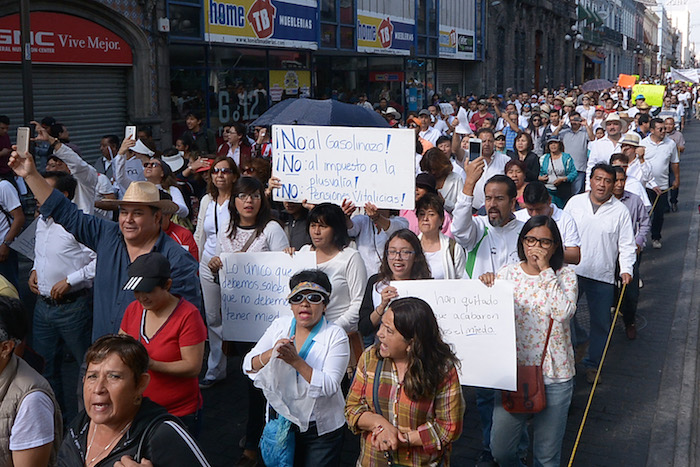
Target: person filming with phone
<point x="493" y="164"/>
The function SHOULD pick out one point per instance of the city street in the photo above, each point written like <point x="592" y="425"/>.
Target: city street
<point x="643" y="412"/>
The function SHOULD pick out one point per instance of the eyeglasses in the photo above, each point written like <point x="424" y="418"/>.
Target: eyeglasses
<point x="245" y="196"/>
<point x="222" y="170"/>
<point x="400" y="254"/>
<point x="152" y="165"/>
<point x="544" y="242"/>
<point x="249" y="170"/>
<point x="313" y="298"/>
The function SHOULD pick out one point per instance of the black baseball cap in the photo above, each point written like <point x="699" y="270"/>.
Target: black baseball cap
<point x="427" y="181"/>
<point x="147" y="271"/>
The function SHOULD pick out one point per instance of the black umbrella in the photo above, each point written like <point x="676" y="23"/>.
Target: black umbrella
<point x="596" y="85"/>
<point x="326" y="112"/>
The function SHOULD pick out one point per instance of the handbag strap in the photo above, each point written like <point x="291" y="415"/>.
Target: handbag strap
<point x="546" y="342"/>
<point x="249" y="242"/>
<point x="375" y="387"/>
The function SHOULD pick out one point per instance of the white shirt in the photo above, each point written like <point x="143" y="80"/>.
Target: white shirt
<point x="103" y="187"/>
<point x="634" y="186"/>
<point x="600" y="150"/>
<point x="58" y="255"/>
<point x="210" y="230"/>
<point x="178" y="199"/>
<point x="496" y="167"/>
<point x="431" y="134"/>
<point x="235" y="155"/>
<point x="370" y="240"/>
<point x="587" y="114"/>
<point x="9" y="200"/>
<point x="659" y="155"/>
<point x="606" y="235"/>
<point x="498" y="247"/>
<point x="642" y="172"/>
<point x="565" y="223"/>
<point x="33" y="425"/>
<point x="328" y="357"/>
<point x="348" y="277"/>
<point x="441" y="126"/>
<point x="84" y="174"/>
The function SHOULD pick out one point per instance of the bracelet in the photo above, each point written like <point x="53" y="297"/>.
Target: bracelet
<point x="260" y="360"/>
<point x="376" y="310"/>
<point x="408" y="439"/>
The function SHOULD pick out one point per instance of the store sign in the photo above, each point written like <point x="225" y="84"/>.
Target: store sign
<point x="456" y="43"/>
<point x="279" y="23"/>
<point x="386" y="76"/>
<point x="63" y="39"/>
<point x="384" y="34"/>
<point x="289" y="83"/>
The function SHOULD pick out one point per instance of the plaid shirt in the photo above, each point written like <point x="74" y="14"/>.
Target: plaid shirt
<point x="438" y="420"/>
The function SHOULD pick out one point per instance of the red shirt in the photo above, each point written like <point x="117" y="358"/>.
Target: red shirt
<point x="184" y="237"/>
<point x="477" y="120"/>
<point x="183" y="328"/>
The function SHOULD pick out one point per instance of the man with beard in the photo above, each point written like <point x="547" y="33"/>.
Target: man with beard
<point x="491" y="242"/>
<point x="607" y="238"/>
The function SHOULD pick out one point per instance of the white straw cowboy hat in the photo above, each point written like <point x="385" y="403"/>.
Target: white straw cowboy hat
<point x="144" y="194"/>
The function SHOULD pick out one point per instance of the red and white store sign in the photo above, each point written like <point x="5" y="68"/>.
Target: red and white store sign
<point x="63" y="39"/>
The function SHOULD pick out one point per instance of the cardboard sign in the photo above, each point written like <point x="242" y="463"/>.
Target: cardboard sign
<point x="653" y="93"/>
<point x="331" y="164"/>
<point x="254" y="289"/>
<point x="626" y="81"/>
<point x="479" y="323"/>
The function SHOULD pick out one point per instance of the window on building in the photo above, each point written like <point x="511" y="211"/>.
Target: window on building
<point x="338" y="24"/>
<point x="185" y="18"/>
<point x="427" y="27"/>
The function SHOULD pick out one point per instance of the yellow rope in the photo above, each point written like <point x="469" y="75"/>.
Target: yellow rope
<point x="597" y="374"/>
<point x="657" y="199"/>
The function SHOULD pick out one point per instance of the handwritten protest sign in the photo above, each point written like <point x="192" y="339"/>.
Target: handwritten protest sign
<point x="254" y="289"/>
<point x="479" y="323"/>
<point x="330" y="164"/>
<point x="463" y="127"/>
<point x="653" y="93"/>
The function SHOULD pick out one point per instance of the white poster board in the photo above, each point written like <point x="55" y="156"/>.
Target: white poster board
<point x="24" y="242"/>
<point x="463" y="127"/>
<point x="478" y="321"/>
<point x="331" y="164"/>
<point x="254" y="289"/>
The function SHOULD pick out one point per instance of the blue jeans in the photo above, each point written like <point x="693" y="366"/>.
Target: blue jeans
<point x="193" y="422"/>
<point x="70" y="323"/>
<point x="485" y="402"/>
<point x="312" y="450"/>
<point x="600" y="297"/>
<point x="579" y="184"/>
<point x="549" y="426"/>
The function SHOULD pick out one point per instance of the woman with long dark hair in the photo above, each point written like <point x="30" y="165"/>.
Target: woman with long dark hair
<point x="403" y="259"/>
<point x="406" y="400"/>
<point x="546" y="297"/>
<point x="523" y="151"/>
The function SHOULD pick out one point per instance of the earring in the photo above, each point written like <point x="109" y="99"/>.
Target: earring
<point x="138" y="399"/>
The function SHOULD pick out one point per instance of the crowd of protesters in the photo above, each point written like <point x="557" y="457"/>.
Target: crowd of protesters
<point x="560" y="200"/>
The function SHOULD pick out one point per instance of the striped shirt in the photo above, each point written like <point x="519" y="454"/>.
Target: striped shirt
<point x="438" y="420"/>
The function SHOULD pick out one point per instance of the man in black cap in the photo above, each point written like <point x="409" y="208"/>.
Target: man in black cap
<point x="427" y="132"/>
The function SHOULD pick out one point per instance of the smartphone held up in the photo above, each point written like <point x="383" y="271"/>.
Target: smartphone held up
<point x="23" y="137"/>
<point x="474" y="148"/>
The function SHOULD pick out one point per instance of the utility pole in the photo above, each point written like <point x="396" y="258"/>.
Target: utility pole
<point x="26" y="52"/>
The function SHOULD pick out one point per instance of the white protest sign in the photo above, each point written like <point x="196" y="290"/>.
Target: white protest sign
<point x="463" y="127"/>
<point x="446" y="108"/>
<point x="478" y="321"/>
<point x="254" y="289"/>
<point x="24" y="242"/>
<point x="329" y="164"/>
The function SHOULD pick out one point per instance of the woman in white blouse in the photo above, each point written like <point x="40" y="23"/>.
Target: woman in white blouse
<point x="545" y="293"/>
<point x="213" y="218"/>
<point x="317" y="354"/>
<point x="445" y="256"/>
<point x="343" y="265"/>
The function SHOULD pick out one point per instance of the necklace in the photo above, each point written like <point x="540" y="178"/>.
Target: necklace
<point x="94" y="432"/>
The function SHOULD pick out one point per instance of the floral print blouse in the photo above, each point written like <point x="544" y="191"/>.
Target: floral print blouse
<point x="536" y="299"/>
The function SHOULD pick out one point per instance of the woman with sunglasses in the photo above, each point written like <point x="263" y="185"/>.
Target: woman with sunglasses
<point x="315" y="354"/>
<point x="159" y="173"/>
<point x="214" y="218"/>
<point x="546" y="294"/>
<point x="403" y="260"/>
<point x="536" y="130"/>
<point x="251" y="229"/>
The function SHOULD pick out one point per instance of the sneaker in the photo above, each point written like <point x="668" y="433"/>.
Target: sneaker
<point x="641" y="284"/>
<point x="656" y="244"/>
<point x="674" y="207"/>
<point x="631" y="332"/>
<point x="206" y="383"/>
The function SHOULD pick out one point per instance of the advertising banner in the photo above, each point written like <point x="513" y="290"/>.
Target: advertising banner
<point x="456" y="43"/>
<point x="278" y="23"/>
<point x="57" y="38"/>
<point x="384" y="34"/>
<point x="331" y="164"/>
<point x="289" y="83"/>
<point x="479" y="323"/>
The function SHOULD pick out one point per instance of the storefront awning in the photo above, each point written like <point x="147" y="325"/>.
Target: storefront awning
<point x="592" y="56"/>
<point x="583" y="13"/>
<point x="596" y="18"/>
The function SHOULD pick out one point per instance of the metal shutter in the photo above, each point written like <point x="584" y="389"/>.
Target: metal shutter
<point x="450" y="73"/>
<point x="90" y="101"/>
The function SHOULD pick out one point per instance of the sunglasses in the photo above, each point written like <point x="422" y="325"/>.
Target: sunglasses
<point x="313" y="298"/>
<point x="249" y="170"/>
<point x="222" y="170"/>
<point x="152" y="165"/>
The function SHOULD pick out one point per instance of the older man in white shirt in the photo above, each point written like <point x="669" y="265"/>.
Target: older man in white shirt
<point x="599" y="151"/>
<point x="62" y="278"/>
<point x="660" y="152"/>
<point x="607" y="237"/>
